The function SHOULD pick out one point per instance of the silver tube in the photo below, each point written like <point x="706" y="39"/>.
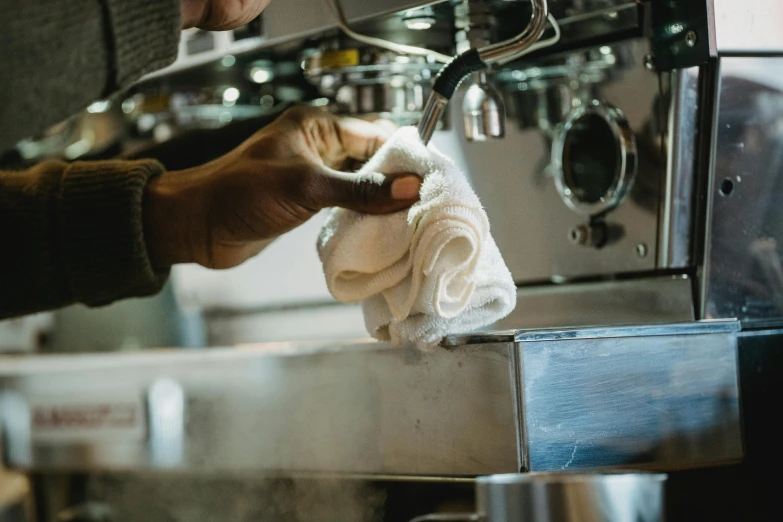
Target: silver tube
<point x="432" y="112"/>
<point x="492" y="53"/>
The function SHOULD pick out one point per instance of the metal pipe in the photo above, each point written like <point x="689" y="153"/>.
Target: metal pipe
<point x="436" y="104"/>
<point x="532" y="33"/>
<point x="471" y="61"/>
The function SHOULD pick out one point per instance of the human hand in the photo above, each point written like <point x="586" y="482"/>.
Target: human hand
<point x="222" y="213"/>
<point x="220" y="15"/>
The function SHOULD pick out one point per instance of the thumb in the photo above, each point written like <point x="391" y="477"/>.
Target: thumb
<point x="369" y="193"/>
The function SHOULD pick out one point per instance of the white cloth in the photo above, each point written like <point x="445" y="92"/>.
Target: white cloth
<point x="424" y="273"/>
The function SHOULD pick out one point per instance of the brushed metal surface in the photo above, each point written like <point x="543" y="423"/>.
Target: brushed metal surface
<point x="568" y="497"/>
<point x="653" y="396"/>
<point x="329" y="407"/>
<point x="748" y="27"/>
<point x="565" y="497"/>
<point x="676" y="227"/>
<point x="659" y="401"/>
<point x="744" y="239"/>
<point x="654" y="300"/>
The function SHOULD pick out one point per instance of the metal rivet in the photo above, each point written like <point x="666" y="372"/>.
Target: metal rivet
<point x="691" y="38"/>
<point x="641" y="250"/>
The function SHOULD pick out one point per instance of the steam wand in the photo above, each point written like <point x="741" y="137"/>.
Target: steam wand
<point x="474" y="60"/>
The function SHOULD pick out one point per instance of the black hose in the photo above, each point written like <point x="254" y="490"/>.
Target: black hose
<point x="455" y="71"/>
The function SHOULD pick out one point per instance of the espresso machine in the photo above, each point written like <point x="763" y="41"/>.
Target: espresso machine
<point x="627" y="153"/>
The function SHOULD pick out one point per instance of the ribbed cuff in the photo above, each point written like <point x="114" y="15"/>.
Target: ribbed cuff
<point x="101" y="234"/>
<point x="146" y="36"/>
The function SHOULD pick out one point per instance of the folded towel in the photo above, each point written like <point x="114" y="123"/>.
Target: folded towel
<point x="424" y="273"/>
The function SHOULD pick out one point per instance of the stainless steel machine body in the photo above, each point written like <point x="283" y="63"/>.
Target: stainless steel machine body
<point x="553" y="206"/>
<point x="538" y="400"/>
<point x="744" y="229"/>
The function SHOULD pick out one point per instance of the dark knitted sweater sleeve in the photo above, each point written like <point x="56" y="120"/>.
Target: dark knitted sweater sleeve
<point x="73" y="233"/>
<point x="58" y="56"/>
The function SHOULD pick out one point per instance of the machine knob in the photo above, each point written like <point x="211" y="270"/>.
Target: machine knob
<point x="592" y="235"/>
<point x="597" y="233"/>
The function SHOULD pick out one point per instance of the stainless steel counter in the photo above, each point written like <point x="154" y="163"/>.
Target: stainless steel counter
<point x="656" y="396"/>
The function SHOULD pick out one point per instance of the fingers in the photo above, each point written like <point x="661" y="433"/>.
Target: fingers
<point x="389" y="126"/>
<point x="337" y="138"/>
<point x="220" y="15"/>
<point x="371" y="193"/>
<point x="361" y="139"/>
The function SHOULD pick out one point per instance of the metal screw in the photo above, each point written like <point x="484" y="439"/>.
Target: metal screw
<point x="649" y="62"/>
<point x="691" y="39"/>
<point x="578" y="235"/>
<point x="641" y="250"/>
